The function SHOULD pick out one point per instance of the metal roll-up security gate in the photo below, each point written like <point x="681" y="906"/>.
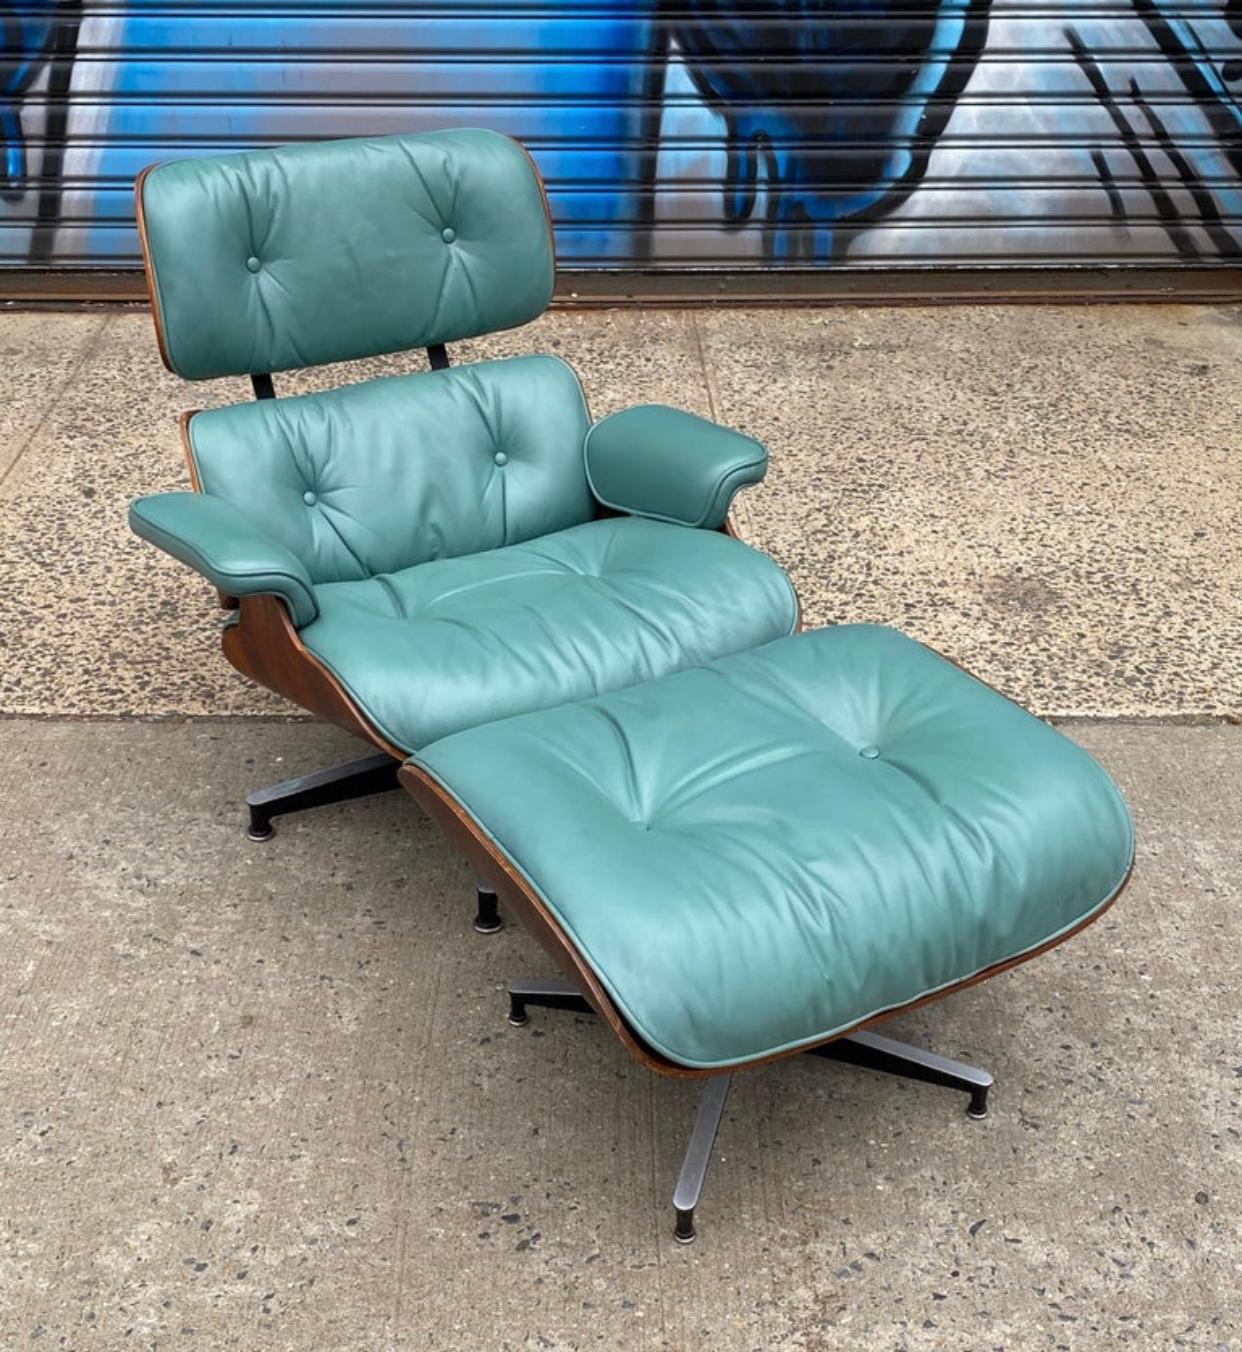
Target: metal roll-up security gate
<point x="706" y="134"/>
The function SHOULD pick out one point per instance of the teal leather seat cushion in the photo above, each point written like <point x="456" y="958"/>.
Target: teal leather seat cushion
<point x="445" y="645"/>
<point x="757" y="854"/>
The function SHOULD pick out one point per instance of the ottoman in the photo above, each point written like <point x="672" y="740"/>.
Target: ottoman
<point x="765" y="855"/>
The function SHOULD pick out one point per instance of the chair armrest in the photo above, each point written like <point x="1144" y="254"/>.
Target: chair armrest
<point x="226" y="547"/>
<point x="672" y="466"/>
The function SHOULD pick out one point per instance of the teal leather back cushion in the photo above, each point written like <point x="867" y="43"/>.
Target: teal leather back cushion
<point x="275" y="259"/>
<point x="374" y="477"/>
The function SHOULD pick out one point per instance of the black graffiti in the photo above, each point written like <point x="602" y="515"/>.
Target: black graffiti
<point x="1209" y="214"/>
<point x="1166" y="208"/>
<point x="1174" y="222"/>
<point x="1191" y="62"/>
<point x="61" y="56"/>
<point x="1232" y="70"/>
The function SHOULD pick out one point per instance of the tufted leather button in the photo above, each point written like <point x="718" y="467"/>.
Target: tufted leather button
<point x="309" y="498"/>
<point x="869" y="752"/>
<point x="501" y="459"/>
<point x="448" y="234"/>
<point x="253" y="264"/>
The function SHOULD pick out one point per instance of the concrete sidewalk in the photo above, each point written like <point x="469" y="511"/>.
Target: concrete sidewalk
<point x="265" y="1097"/>
<point x="1049" y="495"/>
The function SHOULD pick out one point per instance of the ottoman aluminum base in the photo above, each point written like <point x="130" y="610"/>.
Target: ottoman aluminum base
<point x="865" y="1049"/>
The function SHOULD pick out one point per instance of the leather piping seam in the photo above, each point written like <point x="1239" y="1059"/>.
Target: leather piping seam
<point x="227" y="602"/>
<point x="552" y="356"/>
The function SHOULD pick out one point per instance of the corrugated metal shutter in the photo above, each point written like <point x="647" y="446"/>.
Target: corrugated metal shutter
<point x="705" y="133"/>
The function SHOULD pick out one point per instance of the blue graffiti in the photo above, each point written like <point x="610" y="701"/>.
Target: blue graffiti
<point x="841" y="105"/>
<point x="570" y="83"/>
<point x="816" y="119"/>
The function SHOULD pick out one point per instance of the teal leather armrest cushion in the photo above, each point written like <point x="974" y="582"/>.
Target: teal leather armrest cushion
<point x="226" y="547"/>
<point x="671" y="466"/>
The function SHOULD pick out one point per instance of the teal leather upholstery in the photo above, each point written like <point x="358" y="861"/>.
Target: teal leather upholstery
<point x="453" y="643"/>
<point x="762" y="852"/>
<point x="306" y="254"/>
<point x="379" y="476"/>
<point x="226" y="546"/>
<point x="671" y="466"/>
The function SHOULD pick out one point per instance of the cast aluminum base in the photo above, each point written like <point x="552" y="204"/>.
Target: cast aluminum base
<point x="354" y="779"/>
<point x="869" y="1050"/>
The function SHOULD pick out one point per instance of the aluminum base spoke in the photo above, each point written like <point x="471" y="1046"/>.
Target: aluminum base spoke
<point x="355" y="779"/>
<point x="885" y="1054"/>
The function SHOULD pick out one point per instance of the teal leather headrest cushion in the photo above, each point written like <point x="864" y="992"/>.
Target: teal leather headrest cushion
<point x="275" y="259"/>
